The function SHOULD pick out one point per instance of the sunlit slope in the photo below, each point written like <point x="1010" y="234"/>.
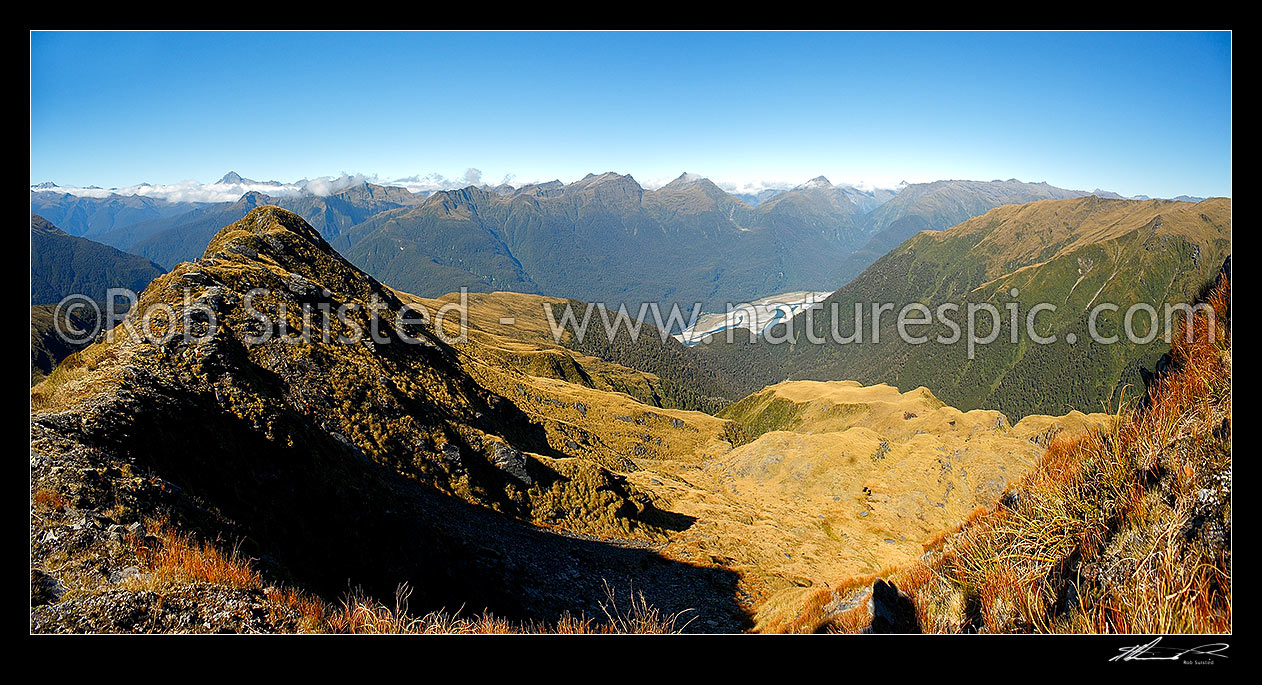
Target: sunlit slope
<point x="834" y="406"/>
<point x="1073" y="254"/>
<point x="334" y="460"/>
<point x="843" y="476"/>
<point x="936" y="206"/>
<point x="1126" y="529"/>
<point x="589" y="407"/>
<point x="666" y="373"/>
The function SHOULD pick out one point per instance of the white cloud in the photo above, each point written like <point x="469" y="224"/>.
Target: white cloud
<point x="195" y="191"/>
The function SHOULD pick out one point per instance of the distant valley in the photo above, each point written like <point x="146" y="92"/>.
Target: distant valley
<point x="1072" y="254"/>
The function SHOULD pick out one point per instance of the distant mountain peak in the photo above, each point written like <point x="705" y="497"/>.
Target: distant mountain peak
<point x="233" y="178"/>
<point x="254" y="198"/>
<point x="46" y="185"/>
<point x="686" y="179"/>
<point x="592" y="180"/>
<point x="817" y="182"/>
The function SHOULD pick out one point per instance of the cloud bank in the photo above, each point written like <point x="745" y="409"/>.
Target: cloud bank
<point x="232" y="187"/>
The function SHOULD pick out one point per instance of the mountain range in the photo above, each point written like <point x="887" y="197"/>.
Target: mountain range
<point x="603" y="238"/>
<point x="537" y="476"/>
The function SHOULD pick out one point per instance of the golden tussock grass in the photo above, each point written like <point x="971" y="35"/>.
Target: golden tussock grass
<point x="360" y="614"/>
<point x="173" y="558"/>
<point x="1094" y="539"/>
<point x="49" y="499"/>
<point x="820" y="608"/>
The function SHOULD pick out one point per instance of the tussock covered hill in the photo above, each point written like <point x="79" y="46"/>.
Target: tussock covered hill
<point x="1126" y="529"/>
<point x="858" y="478"/>
<point x="214" y="485"/>
<point x="324" y="462"/>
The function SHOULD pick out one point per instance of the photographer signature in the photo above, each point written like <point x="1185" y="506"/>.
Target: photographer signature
<point x="1151" y="652"/>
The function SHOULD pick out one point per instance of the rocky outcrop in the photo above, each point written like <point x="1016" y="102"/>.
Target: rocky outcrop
<point x="892" y="611"/>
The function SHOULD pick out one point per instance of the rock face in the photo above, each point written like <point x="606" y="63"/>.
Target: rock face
<point x="892" y="611"/>
<point x="511" y="462"/>
<point x="193" y="609"/>
<point x="328" y="456"/>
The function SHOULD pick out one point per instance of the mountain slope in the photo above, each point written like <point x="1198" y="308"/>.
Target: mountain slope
<point x="670" y="375"/>
<point x="505" y="469"/>
<point x="1122" y="530"/>
<point x="64" y="265"/>
<point x="1073" y="254"/>
<point x="833" y="479"/>
<point x="606" y="239"/>
<point x="438" y="247"/>
<point x="936" y="206"/>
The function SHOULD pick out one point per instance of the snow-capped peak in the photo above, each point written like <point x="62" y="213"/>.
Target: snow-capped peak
<point x="233" y="178"/>
<point x="817" y="182"/>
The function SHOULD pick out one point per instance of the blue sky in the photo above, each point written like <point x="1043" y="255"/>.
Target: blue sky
<point x="1130" y="112"/>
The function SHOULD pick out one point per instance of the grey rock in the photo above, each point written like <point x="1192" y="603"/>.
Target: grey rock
<point x="511" y="462"/>
<point x="45" y="589"/>
<point x="451" y="454"/>
<point x="124" y="574"/>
